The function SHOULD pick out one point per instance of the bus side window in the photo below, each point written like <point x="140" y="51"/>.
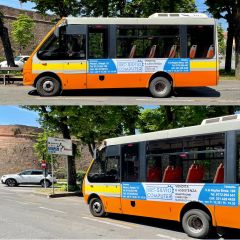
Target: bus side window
<point x="201" y="36"/>
<point x="112" y="169"/>
<point x="130" y="170"/>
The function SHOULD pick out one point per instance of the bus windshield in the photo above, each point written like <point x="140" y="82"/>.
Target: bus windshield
<point x="104" y="169"/>
<point x="65" y="43"/>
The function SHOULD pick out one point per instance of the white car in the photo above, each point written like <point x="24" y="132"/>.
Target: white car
<point x="19" y="61"/>
<point x="28" y="177"/>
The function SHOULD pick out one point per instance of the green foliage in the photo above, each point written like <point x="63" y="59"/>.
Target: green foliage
<point x="22" y="31"/>
<point x="40" y="146"/>
<point x="70" y="188"/>
<point x="167" y="117"/>
<point x="61" y="8"/>
<point x="110" y="8"/>
<point x="221" y="42"/>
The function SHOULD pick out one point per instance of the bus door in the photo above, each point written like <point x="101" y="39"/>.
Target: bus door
<point x="130" y="180"/>
<point x="111" y="188"/>
<point x="75" y="63"/>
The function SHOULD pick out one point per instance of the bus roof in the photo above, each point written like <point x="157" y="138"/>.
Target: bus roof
<point x="155" y="19"/>
<point x="208" y="126"/>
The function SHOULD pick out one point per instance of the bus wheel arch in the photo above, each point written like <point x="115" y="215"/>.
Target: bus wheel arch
<point x="96" y="206"/>
<point x="160" y="84"/>
<point x="196" y="220"/>
<point x="48" y="84"/>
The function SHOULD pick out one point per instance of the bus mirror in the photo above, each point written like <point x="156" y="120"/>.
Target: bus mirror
<point x="95" y="154"/>
<point x="56" y="32"/>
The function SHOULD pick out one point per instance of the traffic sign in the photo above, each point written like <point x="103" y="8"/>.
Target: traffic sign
<point x="59" y="146"/>
<point x="44" y="164"/>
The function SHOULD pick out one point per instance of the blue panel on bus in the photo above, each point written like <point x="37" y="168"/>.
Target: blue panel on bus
<point x="219" y="194"/>
<point x="133" y="191"/>
<point x="209" y="194"/>
<point x="177" y="65"/>
<point x="101" y="66"/>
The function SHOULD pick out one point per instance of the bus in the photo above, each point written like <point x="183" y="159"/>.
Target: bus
<point x="190" y="175"/>
<point x="159" y="53"/>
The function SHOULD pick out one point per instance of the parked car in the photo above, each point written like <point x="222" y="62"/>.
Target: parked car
<point x="28" y="177"/>
<point x="19" y="61"/>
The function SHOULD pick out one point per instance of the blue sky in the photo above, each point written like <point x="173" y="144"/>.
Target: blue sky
<point x="10" y="115"/>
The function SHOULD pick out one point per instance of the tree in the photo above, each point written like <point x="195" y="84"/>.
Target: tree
<point x="168" y="117"/>
<point x="62" y="8"/>
<point x="90" y="124"/>
<point x="6" y="43"/>
<point x="221" y="42"/>
<point x="23" y="31"/>
<point x="230" y="11"/>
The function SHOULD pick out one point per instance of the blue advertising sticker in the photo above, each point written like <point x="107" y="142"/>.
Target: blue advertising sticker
<point x="101" y="66"/>
<point x="133" y="191"/>
<point x="177" y="65"/>
<point x="219" y="194"/>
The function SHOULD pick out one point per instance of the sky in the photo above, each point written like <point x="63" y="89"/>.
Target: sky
<point x="11" y="115"/>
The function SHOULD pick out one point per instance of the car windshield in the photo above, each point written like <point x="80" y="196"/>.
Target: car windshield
<point x="17" y="58"/>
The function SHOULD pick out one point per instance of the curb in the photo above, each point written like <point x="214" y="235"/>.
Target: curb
<point x="58" y="195"/>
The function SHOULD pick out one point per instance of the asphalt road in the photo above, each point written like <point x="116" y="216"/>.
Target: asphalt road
<point x="24" y="215"/>
<point x="226" y="93"/>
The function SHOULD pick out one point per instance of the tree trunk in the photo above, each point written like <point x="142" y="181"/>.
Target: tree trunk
<point x="237" y="60"/>
<point x="6" y="44"/>
<point x="72" y="178"/>
<point x="228" y="61"/>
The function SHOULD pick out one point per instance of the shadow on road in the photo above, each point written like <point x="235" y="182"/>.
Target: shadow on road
<point x="171" y="225"/>
<point x="140" y="92"/>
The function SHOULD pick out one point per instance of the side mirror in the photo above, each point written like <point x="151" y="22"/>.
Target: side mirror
<point x="95" y="154"/>
<point x="56" y="32"/>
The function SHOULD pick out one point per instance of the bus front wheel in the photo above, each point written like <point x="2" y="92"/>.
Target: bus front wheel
<point x="48" y="86"/>
<point x="196" y="223"/>
<point x="160" y="87"/>
<point x="96" y="207"/>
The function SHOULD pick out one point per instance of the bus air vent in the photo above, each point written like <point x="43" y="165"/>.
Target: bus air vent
<point x="193" y="15"/>
<point x="220" y="119"/>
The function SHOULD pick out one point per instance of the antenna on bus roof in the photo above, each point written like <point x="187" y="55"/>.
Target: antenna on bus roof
<point x="162" y="15"/>
<point x="220" y="119"/>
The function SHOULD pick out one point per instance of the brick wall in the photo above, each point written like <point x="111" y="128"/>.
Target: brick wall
<point x="43" y="24"/>
<point x="17" y="153"/>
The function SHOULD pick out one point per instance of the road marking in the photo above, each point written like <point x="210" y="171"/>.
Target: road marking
<point x="109" y="223"/>
<point x="53" y="210"/>
<point x="167" y="237"/>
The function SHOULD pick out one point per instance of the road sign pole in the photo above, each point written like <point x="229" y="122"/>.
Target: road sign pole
<point x="67" y="173"/>
<point x="52" y="176"/>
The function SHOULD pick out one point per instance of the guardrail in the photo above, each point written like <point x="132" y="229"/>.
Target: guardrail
<point x="7" y="73"/>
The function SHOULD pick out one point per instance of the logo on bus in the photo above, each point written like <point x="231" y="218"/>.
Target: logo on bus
<point x="159" y="192"/>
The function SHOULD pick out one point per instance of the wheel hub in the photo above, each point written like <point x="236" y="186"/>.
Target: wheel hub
<point x="97" y="207"/>
<point x="48" y="86"/>
<point x="160" y="87"/>
<point x="195" y="224"/>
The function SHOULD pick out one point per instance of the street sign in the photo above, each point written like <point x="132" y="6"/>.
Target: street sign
<point x="59" y="146"/>
<point x="43" y="164"/>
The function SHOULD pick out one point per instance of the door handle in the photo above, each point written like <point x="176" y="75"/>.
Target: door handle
<point x="133" y="203"/>
<point x="44" y="64"/>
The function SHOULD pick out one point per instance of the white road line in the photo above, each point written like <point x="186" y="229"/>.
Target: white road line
<point x="167" y="237"/>
<point x="109" y="223"/>
<point x="53" y="210"/>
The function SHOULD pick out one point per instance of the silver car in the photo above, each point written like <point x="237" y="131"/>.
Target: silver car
<point x="35" y="177"/>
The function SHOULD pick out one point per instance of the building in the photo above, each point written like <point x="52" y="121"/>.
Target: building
<point x="43" y="24"/>
<point x="17" y="152"/>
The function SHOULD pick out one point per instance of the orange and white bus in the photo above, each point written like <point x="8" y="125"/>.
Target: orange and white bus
<point x="189" y="174"/>
<point x="162" y="52"/>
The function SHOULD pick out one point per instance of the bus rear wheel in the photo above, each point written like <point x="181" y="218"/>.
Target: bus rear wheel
<point x="48" y="86"/>
<point x="160" y="87"/>
<point x="196" y="223"/>
<point x="96" y="207"/>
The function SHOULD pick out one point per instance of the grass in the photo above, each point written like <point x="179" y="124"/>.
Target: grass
<point x="227" y="75"/>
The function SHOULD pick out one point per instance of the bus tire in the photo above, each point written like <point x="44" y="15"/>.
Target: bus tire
<point x="160" y="87"/>
<point x="96" y="207"/>
<point x="196" y="223"/>
<point x="48" y="86"/>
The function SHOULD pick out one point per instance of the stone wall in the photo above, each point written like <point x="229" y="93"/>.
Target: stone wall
<point x="17" y="153"/>
<point x="43" y="24"/>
